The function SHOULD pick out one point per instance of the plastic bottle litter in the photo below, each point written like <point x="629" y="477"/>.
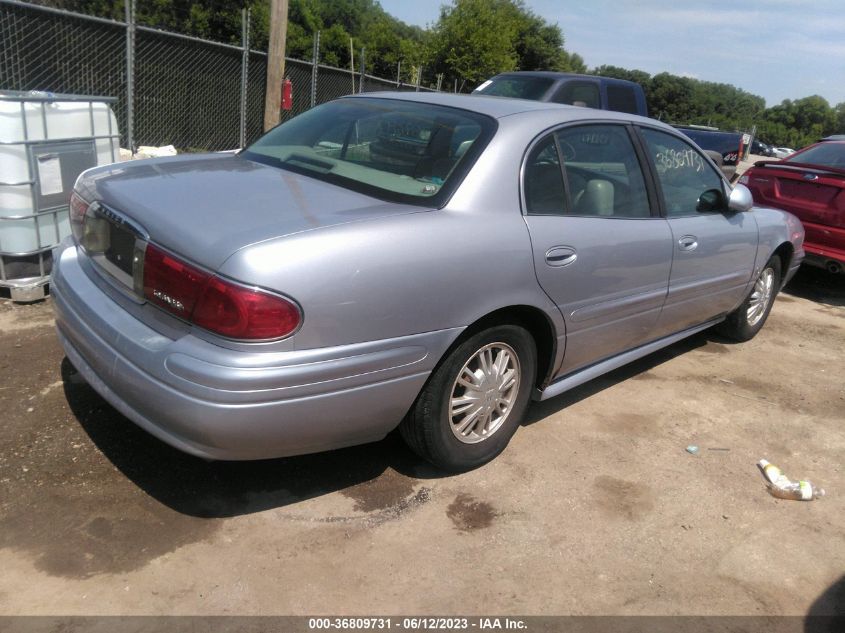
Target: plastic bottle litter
<point x="692" y="449"/>
<point x="783" y="487"/>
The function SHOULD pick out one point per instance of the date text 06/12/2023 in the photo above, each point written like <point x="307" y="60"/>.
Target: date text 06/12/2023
<point x="415" y="623"/>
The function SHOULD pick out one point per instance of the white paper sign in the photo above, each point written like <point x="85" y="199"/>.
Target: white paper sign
<point x="50" y="175"/>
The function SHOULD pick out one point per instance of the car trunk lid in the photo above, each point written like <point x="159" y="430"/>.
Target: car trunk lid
<point x="813" y="193"/>
<point x="205" y="208"/>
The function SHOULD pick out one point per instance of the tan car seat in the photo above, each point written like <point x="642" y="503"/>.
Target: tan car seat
<point x="595" y="199"/>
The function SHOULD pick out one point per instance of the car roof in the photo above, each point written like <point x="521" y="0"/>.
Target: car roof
<point x="500" y="107"/>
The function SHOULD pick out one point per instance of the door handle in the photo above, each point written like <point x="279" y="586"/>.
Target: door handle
<point x="561" y="256"/>
<point x="688" y="243"/>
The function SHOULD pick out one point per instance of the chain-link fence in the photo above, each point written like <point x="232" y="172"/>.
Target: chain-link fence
<point x="43" y="49"/>
<point x="171" y="88"/>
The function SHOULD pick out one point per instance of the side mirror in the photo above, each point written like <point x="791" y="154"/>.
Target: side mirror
<point x="740" y="199"/>
<point x="711" y="200"/>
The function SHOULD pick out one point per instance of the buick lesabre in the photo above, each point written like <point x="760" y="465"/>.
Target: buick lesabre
<point x="430" y="262"/>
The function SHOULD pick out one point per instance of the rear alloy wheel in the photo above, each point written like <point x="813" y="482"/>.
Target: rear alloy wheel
<point x="474" y="401"/>
<point x="743" y="323"/>
<point x="484" y="393"/>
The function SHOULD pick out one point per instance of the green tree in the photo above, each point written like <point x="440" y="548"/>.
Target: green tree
<point x="476" y="39"/>
<point x="472" y="40"/>
<point x="800" y="122"/>
<point x="840" y="118"/>
<point x="573" y="63"/>
<point x="637" y="76"/>
<point x="538" y="45"/>
<point x="671" y="98"/>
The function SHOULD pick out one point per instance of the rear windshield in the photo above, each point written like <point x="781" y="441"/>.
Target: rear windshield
<point x="517" y="87"/>
<point x="826" y="154"/>
<point x="393" y="150"/>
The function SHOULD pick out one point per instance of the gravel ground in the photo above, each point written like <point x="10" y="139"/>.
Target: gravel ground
<point x="595" y="508"/>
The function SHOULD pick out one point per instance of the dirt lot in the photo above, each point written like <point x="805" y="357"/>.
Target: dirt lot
<point x="594" y="509"/>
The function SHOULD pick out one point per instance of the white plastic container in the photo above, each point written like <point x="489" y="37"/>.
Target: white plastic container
<point x="46" y="141"/>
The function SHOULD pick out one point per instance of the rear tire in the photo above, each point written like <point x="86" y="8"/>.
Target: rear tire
<point x="743" y="323"/>
<point x="474" y="400"/>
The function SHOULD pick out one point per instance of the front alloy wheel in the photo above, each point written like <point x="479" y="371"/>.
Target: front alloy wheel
<point x="761" y="296"/>
<point x="743" y="323"/>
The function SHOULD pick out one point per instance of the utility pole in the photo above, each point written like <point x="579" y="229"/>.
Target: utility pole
<point x="275" y="62"/>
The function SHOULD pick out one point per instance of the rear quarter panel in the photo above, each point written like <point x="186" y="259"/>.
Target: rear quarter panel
<point x="776" y="227"/>
<point x="404" y="275"/>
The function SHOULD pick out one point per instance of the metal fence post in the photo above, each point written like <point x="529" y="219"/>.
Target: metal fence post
<point x="130" y="74"/>
<point x="352" y="65"/>
<point x="315" y="61"/>
<point x="245" y="18"/>
<point x="363" y="69"/>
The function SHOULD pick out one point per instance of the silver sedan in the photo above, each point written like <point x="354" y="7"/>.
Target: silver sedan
<point x="427" y="262"/>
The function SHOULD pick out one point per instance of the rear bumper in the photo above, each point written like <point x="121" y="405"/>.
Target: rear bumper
<point x="824" y="245"/>
<point x="234" y="405"/>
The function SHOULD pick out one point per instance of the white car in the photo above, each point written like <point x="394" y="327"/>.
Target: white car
<point x="782" y="152"/>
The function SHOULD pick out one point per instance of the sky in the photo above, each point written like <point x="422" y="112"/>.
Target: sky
<point x="777" y="49"/>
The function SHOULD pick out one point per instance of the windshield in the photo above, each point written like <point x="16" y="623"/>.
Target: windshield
<point x="390" y="149"/>
<point x="517" y="87"/>
<point x="828" y="154"/>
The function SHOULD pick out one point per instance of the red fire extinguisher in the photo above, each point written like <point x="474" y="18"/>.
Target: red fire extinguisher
<point x="287" y="94"/>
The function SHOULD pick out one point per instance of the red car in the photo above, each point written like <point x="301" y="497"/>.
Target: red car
<point x="811" y="184"/>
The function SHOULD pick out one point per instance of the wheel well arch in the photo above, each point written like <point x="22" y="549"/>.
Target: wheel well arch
<point x="784" y="252"/>
<point x="533" y="319"/>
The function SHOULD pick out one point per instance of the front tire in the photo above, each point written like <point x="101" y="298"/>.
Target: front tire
<point x="743" y="323"/>
<point x="474" y="400"/>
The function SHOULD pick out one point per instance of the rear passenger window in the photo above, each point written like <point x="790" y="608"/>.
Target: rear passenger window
<point x="603" y="172"/>
<point x="581" y="93"/>
<point x="621" y="99"/>
<point x="544" y="193"/>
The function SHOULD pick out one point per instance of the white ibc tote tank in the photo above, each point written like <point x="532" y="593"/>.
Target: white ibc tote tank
<point x="46" y="141"/>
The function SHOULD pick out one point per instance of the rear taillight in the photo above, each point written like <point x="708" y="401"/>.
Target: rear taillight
<point x="244" y="313"/>
<point x="214" y="303"/>
<point x="171" y="283"/>
<point x="90" y="230"/>
<point x="78" y="207"/>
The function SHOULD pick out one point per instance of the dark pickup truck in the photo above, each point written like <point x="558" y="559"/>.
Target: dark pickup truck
<point x="591" y="91"/>
<point x="725" y="148"/>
